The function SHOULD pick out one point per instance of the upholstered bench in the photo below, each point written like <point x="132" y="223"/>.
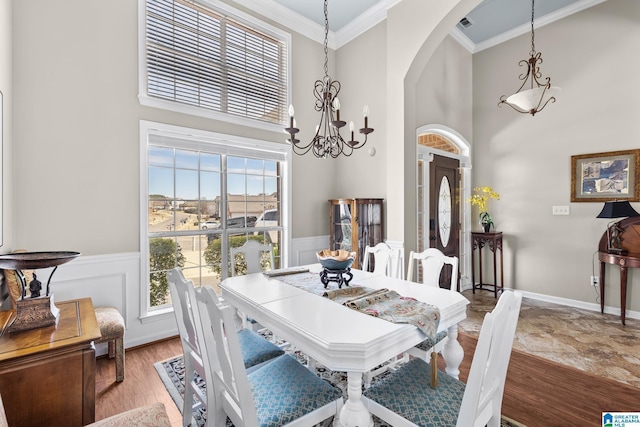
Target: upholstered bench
<point x="111" y="326"/>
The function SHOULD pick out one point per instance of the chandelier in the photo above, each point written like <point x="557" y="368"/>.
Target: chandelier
<point x="539" y="94"/>
<point x="327" y="141"/>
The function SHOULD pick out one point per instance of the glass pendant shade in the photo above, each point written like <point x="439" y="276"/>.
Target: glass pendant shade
<point x="532" y="99"/>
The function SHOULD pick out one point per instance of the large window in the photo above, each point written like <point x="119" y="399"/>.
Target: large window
<point x="203" y="194"/>
<point x="206" y="58"/>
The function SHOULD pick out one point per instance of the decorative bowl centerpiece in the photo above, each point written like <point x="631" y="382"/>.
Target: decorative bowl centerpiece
<point x="336" y="260"/>
<point x="335" y="266"/>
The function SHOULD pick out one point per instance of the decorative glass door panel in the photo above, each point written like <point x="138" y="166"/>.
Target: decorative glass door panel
<point x="444" y="211"/>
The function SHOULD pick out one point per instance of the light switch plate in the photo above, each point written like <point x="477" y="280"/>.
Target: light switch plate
<point x="560" y="210"/>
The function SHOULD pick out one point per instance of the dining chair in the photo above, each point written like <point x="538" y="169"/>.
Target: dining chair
<point x="255" y="349"/>
<point x="280" y="393"/>
<point x="404" y="397"/>
<point x="253" y="253"/>
<point x="432" y="261"/>
<point x="386" y="261"/>
<point x="152" y="415"/>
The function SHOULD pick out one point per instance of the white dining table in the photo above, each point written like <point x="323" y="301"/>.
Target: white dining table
<point x="340" y="338"/>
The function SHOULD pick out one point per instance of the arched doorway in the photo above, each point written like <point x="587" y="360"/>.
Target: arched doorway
<point x="444" y="171"/>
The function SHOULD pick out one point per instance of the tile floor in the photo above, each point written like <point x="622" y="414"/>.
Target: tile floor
<point x="587" y="340"/>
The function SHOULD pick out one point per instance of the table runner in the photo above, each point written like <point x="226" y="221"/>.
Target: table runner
<point x="383" y="303"/>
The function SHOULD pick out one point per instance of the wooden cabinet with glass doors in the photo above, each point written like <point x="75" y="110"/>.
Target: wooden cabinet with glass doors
<point x="355" y="224"/>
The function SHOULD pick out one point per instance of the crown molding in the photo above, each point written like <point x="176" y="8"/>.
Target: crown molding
<point x="311" y="29"/>
<point x="290" y="19"/>
<point x="367" y="20"/>
<point x="378" y="13"/>
<point x="538" y="22"/>
<point x="462" y="39"/>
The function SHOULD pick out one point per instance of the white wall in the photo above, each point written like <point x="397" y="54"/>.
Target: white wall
<point x="592" y="56"/>
<point x="6" y="152"/>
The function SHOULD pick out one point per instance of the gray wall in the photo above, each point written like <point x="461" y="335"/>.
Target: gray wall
<point x="76" y="121"/>
<point x="591" y="56"/>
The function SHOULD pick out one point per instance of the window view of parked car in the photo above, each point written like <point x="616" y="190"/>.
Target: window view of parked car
<point x="269" y="218"/>
<point x="236" y="222"/>
<point x="209" y="224"/>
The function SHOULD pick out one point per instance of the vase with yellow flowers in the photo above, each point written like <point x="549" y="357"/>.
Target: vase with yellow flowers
<point x="481" y="198"/>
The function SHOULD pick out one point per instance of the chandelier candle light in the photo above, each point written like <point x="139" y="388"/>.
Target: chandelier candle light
<point x="534" y="99"/>
<point x="327" y="140"/>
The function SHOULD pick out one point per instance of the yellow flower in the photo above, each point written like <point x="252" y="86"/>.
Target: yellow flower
<point x="481" y="198"/>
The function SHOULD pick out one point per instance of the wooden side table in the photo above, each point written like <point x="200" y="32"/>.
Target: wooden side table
<point x="493" y="240"/>
<point x="624" y="262"/>
<point x="47" y="375"/>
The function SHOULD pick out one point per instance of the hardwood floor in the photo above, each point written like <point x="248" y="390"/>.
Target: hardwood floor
<point x="141" y="385"/>
<point x="538" y="392"/>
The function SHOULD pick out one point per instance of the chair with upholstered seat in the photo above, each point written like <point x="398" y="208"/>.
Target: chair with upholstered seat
<point x="404" y="397"/>
<point x="432" y="262"/>
<point x="280" y="393"/>
<point x="154" y="415"/>
<point x="255" y="349"/>
<point x="386" y="261"/>
<point x="111" y="324"/>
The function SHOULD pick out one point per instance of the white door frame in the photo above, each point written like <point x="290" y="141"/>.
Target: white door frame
<point x="426" y="153"/>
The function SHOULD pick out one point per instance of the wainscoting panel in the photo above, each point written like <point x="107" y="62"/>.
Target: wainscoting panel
<point x="304" y="249"/>
<point x="114" y="280"/>
<point x="110" y="280"/>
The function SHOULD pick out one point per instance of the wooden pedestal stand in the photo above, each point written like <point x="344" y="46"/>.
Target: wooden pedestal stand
<point x="33" y="313"/>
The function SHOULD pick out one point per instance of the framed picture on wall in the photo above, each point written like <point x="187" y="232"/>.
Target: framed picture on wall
<point x="602" y="177"/>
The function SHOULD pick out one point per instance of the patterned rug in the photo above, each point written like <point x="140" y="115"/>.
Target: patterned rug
<point x="171" y="372"/>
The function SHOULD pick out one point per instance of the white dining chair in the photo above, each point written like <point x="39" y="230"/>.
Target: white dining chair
<point x="282" y="392"/>
<point x="432" y="262"/>
<point x="255" y="349"/>
<point x="253" y="254"/>
<point x="404" y="397"/>
<point x="386" y="261"/>
<point x="389" y="262"/>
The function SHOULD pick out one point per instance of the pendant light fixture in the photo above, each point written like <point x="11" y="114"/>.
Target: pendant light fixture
<point x="327" y="141"/>
<point x="539" y="92"/>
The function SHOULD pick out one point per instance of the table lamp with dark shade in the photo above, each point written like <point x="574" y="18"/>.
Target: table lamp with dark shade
<point x="616" y="209"/>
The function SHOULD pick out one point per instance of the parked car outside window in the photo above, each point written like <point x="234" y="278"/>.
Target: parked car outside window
<point x="269" y="218"/>
<point x="209" y="224"/>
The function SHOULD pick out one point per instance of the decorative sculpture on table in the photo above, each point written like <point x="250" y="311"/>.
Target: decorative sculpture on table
<point x="36" y="311"/>
<point x="35" y="287"/>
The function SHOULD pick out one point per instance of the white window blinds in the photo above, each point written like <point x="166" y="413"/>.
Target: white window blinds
<point x="200" y="57"/>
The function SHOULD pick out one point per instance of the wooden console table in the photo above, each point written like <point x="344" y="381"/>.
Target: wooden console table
<point x="47" y="375"/>
<point x="624" y="261"/>
<point x="494" y="241"/>
<point x="630" y="240"/>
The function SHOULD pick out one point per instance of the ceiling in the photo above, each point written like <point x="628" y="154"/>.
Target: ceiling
<point x="492" y="22"/>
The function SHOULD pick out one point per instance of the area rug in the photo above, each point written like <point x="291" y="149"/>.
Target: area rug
<point x="171" y="372"/>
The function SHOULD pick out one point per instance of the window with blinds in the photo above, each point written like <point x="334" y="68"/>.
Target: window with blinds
<point x="201" y="57"/>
